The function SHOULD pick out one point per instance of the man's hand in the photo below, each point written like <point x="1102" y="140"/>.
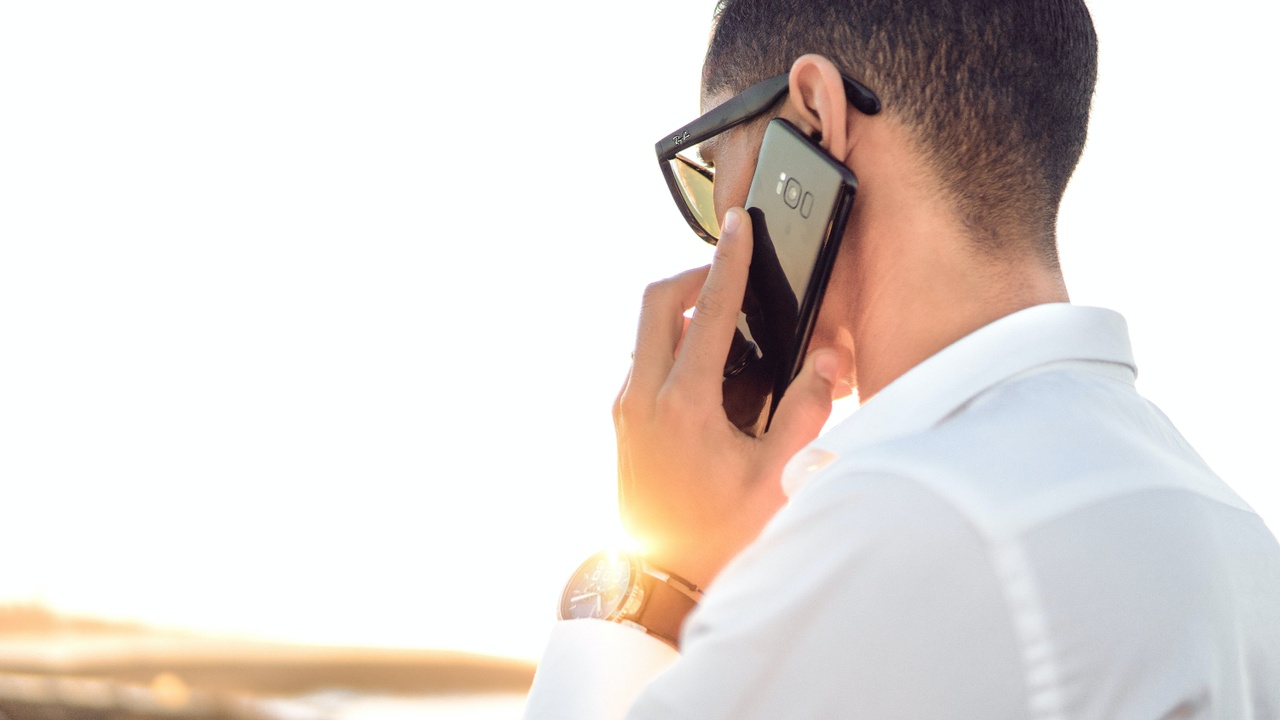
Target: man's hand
<point x="692" y="486"/>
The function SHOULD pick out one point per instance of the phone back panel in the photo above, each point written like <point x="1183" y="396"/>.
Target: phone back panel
<point x="799" y="202"/>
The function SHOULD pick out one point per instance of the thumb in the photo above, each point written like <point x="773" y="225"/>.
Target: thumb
<point x="805" y="406"/>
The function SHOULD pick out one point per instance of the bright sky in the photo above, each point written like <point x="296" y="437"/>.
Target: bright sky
<point x="311" y="314"/>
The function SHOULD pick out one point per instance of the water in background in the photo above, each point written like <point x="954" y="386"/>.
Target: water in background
<point x="343" y="705"/>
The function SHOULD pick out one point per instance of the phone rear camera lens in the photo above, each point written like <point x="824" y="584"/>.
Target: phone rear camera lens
<point x="792" y="194"/>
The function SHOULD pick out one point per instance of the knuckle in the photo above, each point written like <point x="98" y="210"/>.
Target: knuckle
<point x="733" y="250"/>
<point x="670" y="404"/>
<point x="807" y="412"/>
<point x="676" y="408"/>
<point x="655" y="294"/>
<point x="713" y="305"/>
<point x="726" y="252"/>
<point x="808" y="408"/>
<point x="626" y="405"/>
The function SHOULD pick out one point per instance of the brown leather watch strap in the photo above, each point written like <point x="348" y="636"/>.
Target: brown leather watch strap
<point x="664" y="609"/>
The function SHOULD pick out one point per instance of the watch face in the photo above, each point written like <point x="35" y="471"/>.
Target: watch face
<point x="598" y="589"/>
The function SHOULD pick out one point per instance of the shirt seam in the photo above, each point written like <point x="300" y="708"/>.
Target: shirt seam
<point x="1008" y="563"/>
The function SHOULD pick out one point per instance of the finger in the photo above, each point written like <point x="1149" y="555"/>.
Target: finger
<point x="805" y="406"/>
<point x="684" y="328"/>
<point x="715" y="316"/>
<point x="617" y="400"/>
<point x="661" y="327"/>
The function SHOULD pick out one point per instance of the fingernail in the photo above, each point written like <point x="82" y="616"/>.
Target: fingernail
<point x="826" y="366"/>
<point x="730" y="222"/>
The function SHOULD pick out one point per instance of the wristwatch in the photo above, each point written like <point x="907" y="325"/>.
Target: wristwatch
<point x="623" y="588"/>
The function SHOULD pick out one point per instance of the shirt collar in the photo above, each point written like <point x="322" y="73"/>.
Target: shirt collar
<point x="935" y="388"/>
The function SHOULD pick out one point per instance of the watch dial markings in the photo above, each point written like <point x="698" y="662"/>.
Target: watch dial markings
<point x="598" y="589"/>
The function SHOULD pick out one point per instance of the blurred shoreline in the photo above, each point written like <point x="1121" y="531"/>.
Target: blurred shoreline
<point x="54" y="665"/>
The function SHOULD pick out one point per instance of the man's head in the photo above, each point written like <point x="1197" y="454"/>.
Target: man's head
<point x="994" y="93"/>
<point x="985" y="106"/>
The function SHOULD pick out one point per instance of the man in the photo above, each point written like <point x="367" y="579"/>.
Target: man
<point x="1005" y="529"/>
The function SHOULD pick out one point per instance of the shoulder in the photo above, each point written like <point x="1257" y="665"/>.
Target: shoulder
<point x="1031" y="450"/>
<point x="968" y="558"/>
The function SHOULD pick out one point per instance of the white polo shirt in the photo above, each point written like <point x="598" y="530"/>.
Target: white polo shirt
<point x="1008" y="530"/>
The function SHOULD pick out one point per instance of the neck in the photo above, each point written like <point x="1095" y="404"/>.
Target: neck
<point x="911" y="280"/>
<point x="921" y="290"/>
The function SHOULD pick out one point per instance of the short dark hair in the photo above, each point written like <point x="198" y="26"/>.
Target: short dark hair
<point x="996" y="92"/>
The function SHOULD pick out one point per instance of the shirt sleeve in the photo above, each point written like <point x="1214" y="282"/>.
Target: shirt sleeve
<point x="593" y="670"/>
<point x="878" y="600"/>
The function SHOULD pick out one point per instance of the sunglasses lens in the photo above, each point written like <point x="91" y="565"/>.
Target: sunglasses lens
<point x="696" y="183"/>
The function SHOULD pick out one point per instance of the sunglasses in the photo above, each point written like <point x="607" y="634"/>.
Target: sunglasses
<point x="692" y="180"/>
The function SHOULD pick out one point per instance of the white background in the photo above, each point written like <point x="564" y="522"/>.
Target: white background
<point x="311" y="314"/>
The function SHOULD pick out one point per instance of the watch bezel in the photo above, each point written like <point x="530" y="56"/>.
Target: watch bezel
<point x="632" y="595"/>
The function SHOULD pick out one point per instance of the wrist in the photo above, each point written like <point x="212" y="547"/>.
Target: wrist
<point x="627" y="589"/>
<point x="699" y="559"/>
<point x="695" y="572"/>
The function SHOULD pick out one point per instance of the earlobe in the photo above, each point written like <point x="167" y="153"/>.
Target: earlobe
<point x="817" y="98"/>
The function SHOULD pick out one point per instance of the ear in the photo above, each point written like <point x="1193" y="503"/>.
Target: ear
<point x="817" y="102"/>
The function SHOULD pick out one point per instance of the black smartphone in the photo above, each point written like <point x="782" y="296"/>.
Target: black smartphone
<point x="799" y="204"/>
